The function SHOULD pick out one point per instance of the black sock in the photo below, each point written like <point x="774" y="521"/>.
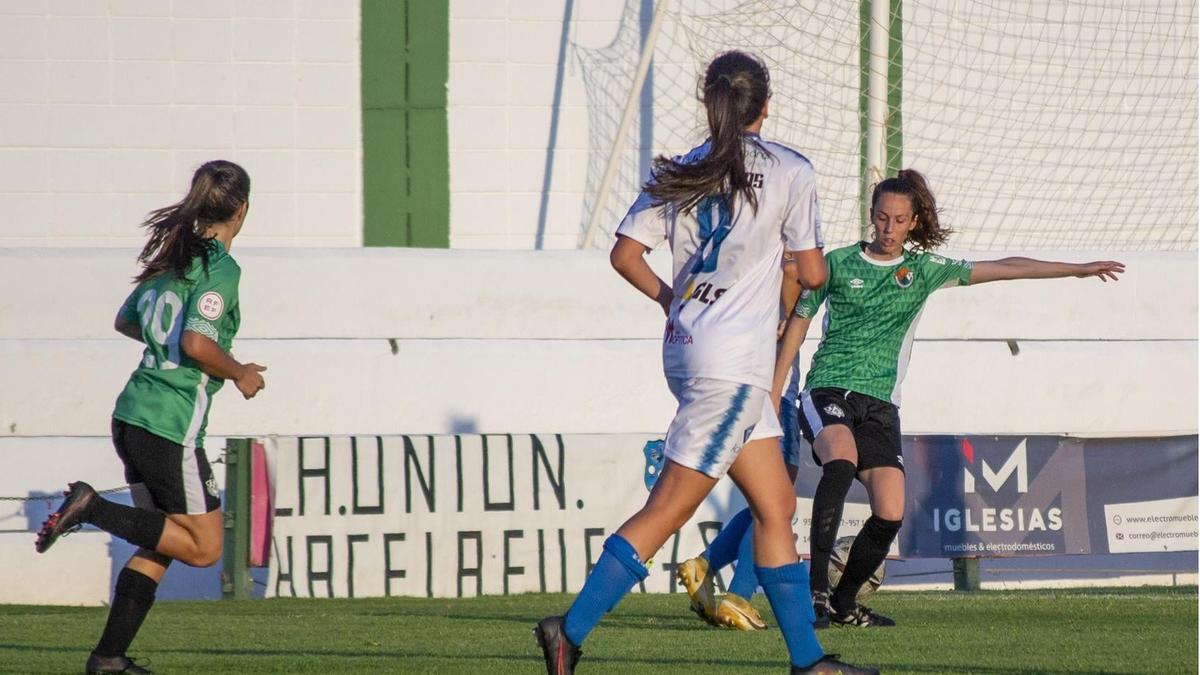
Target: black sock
<point x="132" y="599"/>
<point x="869" y="549"/>
<point x="137" y="526"/>
<point x="836" y="478"/>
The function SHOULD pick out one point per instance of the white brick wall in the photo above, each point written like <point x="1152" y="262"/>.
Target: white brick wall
<point x="107" y="107"/>
<point x="503" y="61"/>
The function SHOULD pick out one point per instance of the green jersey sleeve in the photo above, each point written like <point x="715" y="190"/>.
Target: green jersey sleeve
<point x="129" y="310"/>
<point x="212" y="303"/>
<point x="810" y="302"/>
<point x="940" y="272"/>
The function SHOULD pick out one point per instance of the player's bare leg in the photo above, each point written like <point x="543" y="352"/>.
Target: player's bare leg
<point x="675" y="497"/>
<point x="195" y="540"/>
<point x="762" y="476"/>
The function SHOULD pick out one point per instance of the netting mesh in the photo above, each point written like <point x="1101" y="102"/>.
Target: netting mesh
<point x="1041" y="124"/>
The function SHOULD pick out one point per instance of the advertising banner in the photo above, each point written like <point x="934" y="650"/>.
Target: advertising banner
<point x="454" y="516"/>
<point x="983" y="496"/>
<point x="464" y="515"/>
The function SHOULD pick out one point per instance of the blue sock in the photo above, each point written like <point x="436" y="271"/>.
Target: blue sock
<point x="745" y="581"/>
<point x="787" y="590"/>
<point x="615" y="573"/>
<point x="724" y="549"/>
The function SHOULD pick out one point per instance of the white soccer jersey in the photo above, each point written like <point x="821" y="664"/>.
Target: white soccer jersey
<point x="728" y="266"/>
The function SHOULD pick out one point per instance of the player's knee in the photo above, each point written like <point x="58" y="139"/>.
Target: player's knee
<point x="881" y="531"/>
<point x="205" y="554"/>
<point x="775" y="511"/>
<point x="837" y="476"/>
<point x="889" y="512"/>
<point x="208" y="558"/>
<point x="896" y="515"/>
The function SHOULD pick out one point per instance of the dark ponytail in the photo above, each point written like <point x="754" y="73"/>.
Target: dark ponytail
<point x="929" y="233"/>
<point x="736" y="86"/>
<point x="178" y="233"/>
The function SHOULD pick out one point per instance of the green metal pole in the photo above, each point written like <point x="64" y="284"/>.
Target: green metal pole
<point x="236" y="583"/>
<point x="893" y="138"/>
<point x="966" y="574"/>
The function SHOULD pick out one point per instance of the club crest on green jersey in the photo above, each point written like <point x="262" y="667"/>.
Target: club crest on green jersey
<point x="904" y="277"/>
<point x="210" y="305"/>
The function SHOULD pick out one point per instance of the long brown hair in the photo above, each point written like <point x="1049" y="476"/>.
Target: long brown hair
<point x="178" y="233"/>
<point x="929" y="233"/>
<point x="735" y="88"/>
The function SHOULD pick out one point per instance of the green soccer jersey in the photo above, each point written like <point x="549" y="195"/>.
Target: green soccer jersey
<point x="872" y="313"/>
<point x="167" y="394"/>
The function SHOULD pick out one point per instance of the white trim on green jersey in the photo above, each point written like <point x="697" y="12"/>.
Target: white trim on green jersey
<point x="199" y="413"/>
<point x="193" y="483"/>
<point x="905" y="356"/>
<point x="872" y="308"/>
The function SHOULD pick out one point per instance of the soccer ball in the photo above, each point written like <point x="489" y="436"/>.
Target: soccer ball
<point x="837" y="564"/>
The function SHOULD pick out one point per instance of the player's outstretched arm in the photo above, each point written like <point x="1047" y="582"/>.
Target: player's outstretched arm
<point x="1027" y="268"/>
<point x="216" y="362"/>
<point x="788" y="351"/>
<point x="628" y="258"/>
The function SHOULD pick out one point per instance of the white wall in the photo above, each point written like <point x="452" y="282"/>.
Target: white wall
<point x="391" y="341"/>
<point x="106" y="109"/>
<point x="504" y="60"/>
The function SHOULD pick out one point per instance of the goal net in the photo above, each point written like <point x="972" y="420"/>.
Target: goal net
<point x="1041" y="124"/>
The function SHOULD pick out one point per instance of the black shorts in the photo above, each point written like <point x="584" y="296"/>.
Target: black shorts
<point x="874" y="423"/>
<point x="164" y="475"/>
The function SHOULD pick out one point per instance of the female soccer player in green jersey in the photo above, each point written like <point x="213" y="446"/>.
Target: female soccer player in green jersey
<point x="185" y="309"/>
<point x="849" y="410"/>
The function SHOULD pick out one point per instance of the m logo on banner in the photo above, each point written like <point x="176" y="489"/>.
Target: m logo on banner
<point x="1017" y="462"/>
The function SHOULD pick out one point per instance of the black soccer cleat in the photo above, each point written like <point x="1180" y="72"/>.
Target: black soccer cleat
<point x="830" y="665"/>
<point x="96" y="665"/>
<point x="69" y="516"/>
<point x="560" y="653"/>
<point x="820" y="610"/>
<point x="860" y="616"/>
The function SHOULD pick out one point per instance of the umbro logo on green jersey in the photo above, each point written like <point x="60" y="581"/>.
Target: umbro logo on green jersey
<point x="856" y="283"/>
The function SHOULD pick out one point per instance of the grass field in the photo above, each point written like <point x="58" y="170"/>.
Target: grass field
<point x="1145" y="630"/>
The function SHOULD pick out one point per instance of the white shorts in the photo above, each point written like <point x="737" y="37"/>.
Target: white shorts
<point x="714" y="420"/>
